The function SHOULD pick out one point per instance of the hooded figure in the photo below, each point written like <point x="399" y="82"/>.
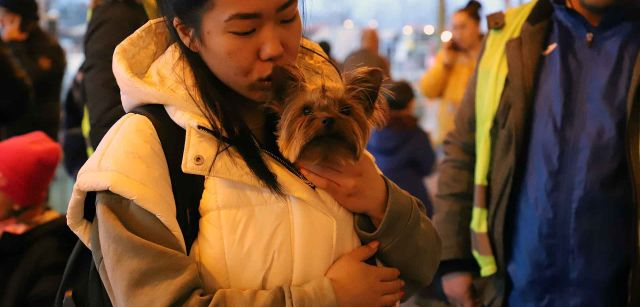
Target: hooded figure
<point x="402" y="149"/>
<point x="34" y="240"/>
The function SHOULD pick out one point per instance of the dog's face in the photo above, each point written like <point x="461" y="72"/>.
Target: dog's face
<point x="327" y="122"/>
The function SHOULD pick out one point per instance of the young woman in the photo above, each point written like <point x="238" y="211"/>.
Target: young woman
<point x="266" y="238"/>
<point x="447" y="78"/>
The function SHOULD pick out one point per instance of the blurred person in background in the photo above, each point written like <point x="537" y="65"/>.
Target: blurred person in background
<point x="402" y="149"/>
<point x="40" y="55"/>
<point x="74" y="144"/>
<point x="447" y="78"/>
<point x="15" y="95"/>
<point x="35" y="241"/>
<point x="326" y="47"/>
<point x="111" y="21"/>
<point x="368" y="55"/>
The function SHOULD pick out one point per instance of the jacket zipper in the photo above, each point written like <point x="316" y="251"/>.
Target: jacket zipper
<point x="290" y="167"/>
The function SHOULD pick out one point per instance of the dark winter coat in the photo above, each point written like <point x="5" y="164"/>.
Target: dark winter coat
<point x="404" y="154"/>
<point x="112" y="21"/>
<point x="31" y="264"/>
<point x="74" y="144"/>
<point x="43" y="59"/>
<point x="16" y="95"/>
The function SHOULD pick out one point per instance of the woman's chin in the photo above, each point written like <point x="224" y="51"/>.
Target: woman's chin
<point x="258" y="95"/>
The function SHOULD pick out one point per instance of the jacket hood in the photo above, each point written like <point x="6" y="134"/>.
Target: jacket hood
<point x="398" y="132"/>
<point x="388" y="141"/>
<point x="149" y="68"/>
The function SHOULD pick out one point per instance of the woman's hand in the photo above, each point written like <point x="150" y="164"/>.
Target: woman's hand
<point x="356" y="283"/>
<point x="458" y="287"/>
<point x="358" y="187"/>
<point x="450" y="54"/>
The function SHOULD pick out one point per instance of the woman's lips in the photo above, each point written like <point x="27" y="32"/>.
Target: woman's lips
<point x="263" y="84"/>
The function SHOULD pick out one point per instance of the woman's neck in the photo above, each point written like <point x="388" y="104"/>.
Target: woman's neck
<point x="253" y="116"/>
<point x="251" y="113"/>
<point x="28" y="215"/>
<point x="257" y="125"/>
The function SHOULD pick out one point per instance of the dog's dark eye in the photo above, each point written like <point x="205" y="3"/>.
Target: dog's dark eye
<point x="307" y="111"/>
<point x="346" y="110"/>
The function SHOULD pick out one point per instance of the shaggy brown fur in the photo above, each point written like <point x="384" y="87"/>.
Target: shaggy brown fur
<point x="327" y="122"/>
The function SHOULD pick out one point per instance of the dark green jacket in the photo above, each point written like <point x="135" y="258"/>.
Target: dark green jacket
<point x="454" y="201"/>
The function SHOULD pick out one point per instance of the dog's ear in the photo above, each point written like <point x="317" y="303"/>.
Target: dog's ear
<point x="286" y="81"/>
<point x="364" y="85"/>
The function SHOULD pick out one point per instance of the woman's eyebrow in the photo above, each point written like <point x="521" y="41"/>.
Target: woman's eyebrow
<point x="243" y="16"/>
<point x="285" y="6"/>
<point x="249" y="16"/>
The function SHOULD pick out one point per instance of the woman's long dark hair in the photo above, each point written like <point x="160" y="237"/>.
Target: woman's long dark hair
<point x="472" y="9"/>
<point x="223" y="115"/>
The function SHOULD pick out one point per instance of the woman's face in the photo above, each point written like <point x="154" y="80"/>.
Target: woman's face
<point x="7" y="18"/>
<point x="241" y="42"/>
<point x="465" y="30"/>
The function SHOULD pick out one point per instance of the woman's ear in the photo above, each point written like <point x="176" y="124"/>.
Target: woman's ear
<point x="364" y="84"/>
<point x="187" y="35"/>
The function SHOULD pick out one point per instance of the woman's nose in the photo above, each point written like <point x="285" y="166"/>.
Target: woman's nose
<point x="272" y="48"/>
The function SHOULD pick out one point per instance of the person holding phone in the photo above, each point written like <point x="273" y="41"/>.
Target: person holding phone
<point x="447" y="78"/>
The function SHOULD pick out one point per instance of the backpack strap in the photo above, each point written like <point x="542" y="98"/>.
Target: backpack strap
<point x="81" y="284"/>
<point x="187" y="188"/>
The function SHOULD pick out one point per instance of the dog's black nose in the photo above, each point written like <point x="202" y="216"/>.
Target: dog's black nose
<point x="328" y="121"/>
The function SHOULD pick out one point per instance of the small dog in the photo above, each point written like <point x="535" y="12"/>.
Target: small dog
<point x="327" y="118"/>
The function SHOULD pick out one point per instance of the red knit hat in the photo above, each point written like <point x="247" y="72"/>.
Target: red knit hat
<point x="27" y="165"/>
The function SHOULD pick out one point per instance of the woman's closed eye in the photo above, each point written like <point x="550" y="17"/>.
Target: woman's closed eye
<point x="253" y="30"/>
<point x="290" y="20"/>
<point x="243" y="33"/>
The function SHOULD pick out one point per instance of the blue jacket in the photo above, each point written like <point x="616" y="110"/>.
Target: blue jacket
<point x="575" y="174"/>
<point x="405" y="155"/>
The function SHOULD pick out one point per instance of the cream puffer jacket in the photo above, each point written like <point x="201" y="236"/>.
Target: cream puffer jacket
<point x="248" y="238"/>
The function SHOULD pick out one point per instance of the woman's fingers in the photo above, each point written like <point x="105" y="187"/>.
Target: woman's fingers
<point x="364" y="252"/>
<point x="388" y="274"/>
<point x="338" y="182"/>
<point x="325" y="171"/>
<point x="319" y="181"/>
<point x="391" y="287"/>
<point x="391" y="299"/>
